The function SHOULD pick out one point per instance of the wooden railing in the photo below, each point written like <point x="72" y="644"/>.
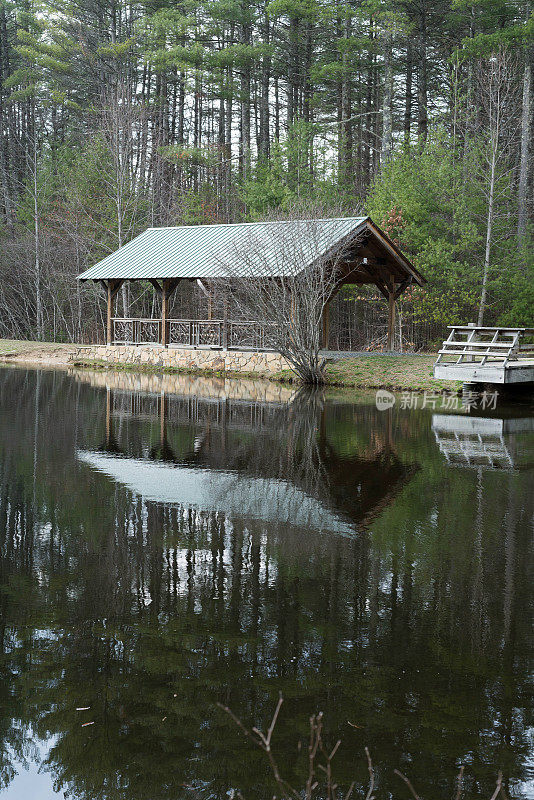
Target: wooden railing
<point x="471" y="344"/>
<point x="195" y="333"/>
<point x="251" y="335"/>
<point x="213" y="333"/>
<point x="136" y="331"/>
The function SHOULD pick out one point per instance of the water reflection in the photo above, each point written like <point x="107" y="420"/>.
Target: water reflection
<point x="489" y="442"/>
<point x="159" y="553"/>
<point x="296" y="480"/>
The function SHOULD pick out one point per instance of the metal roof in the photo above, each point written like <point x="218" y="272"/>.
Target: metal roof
<point x="213" y="251"/>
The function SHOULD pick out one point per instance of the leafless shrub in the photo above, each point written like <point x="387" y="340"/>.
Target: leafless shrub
<point x="320" y="781"/>
<point x="290" y="276"/>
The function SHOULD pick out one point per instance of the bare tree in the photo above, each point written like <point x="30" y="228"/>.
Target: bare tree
<point x="498" y="97"/>
<point x="284" y="276"/>
<point x="524" y="165"/>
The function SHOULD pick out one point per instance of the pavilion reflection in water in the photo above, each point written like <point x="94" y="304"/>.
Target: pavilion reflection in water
<point x="488" y="442"/>
<point x="291" y="475"/>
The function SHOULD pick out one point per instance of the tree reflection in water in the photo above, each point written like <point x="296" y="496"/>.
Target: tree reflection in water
<point x="327" y="550"/>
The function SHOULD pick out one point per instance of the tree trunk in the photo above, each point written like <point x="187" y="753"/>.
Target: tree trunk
<point x="489" y="232"/>
<point x="264" y="141"/>
<point x="292" y="109"/>
<point x="525" y="147"/>
<point x="37" y="261"/>
<point x="244" y="160"/>
<point x="346" y="142"/>
<point x="422" y="81"/>
<point x="387" y="114"/>
<point x="408" y="96"/>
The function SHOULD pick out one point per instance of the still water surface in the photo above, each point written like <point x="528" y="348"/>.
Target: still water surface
<point x="170" y="543"/>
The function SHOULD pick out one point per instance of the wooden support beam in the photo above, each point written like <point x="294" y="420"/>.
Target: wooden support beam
<point x="402" y="287"/>
<point x="156" y="286"/>
<point x="377" y="279"/>
<point x="391" y="316"/>
<point x="225" y="322"/>
<point x="383" y="289"/>
<point x="111" y="291"/>
<point x="203" y="288"/>
<point x="326" y="325"/>
<point x="172" y="283"/>
<point x="164" y="314"/>
<point x="168" y="285"/>
<point x="112" y="288"/>
<point x="115" y="288"/>
<point x="109" y="315"/>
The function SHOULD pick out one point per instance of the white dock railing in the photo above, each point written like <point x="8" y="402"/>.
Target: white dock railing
<point x="469" y="345"/>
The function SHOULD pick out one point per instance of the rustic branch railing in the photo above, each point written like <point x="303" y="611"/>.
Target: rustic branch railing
<point x="470" y="344"/>
<point x="195" y="333"/>
<point x="136" y="331"/>
<point x="251" y="335"/>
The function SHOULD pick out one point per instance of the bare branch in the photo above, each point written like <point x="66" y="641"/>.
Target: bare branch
<point x="408" y="783"/>
<point x="369" y="795"/>
<point x="460" y="783"/>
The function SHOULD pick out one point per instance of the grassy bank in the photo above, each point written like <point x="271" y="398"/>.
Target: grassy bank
<point x="398" y="373"/>
<point x="405" y="372"/>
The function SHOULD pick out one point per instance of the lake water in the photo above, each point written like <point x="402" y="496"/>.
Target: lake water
<point x="171" y="543"/>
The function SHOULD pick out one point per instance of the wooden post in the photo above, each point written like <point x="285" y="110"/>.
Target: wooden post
<point x="326" y="326"/>
<point x="168" y="285"/>
<point x="225" y="322"/>
<point x="109" y="322"/>
<point x="112" y="288"/>
<point x="164" y="311"/>
<point x="391" y="315"/>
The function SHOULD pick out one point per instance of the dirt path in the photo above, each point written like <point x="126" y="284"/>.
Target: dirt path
<point x="45" y="354"/>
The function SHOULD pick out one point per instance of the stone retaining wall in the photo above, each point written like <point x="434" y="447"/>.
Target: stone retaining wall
<point x="260" y="363"/>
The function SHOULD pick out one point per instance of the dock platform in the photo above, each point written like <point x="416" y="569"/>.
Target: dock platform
<point x="474" y="354"/>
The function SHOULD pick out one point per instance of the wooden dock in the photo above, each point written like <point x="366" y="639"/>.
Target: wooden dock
<point x="487" y="355"/>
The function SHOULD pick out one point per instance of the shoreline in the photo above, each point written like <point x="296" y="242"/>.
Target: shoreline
<point x="396" y="373"/>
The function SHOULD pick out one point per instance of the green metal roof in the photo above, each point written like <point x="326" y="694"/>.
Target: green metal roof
<point x="212" y="251"/>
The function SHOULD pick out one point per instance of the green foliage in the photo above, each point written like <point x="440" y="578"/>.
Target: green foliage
<point x="443" y="209"/>
<point x="297" y="169"/>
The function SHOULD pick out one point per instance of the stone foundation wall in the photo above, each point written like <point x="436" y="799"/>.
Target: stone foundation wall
<point x="260" y="363"/>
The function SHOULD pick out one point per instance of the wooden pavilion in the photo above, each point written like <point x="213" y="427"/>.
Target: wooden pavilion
<point x="164" y="257"/>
